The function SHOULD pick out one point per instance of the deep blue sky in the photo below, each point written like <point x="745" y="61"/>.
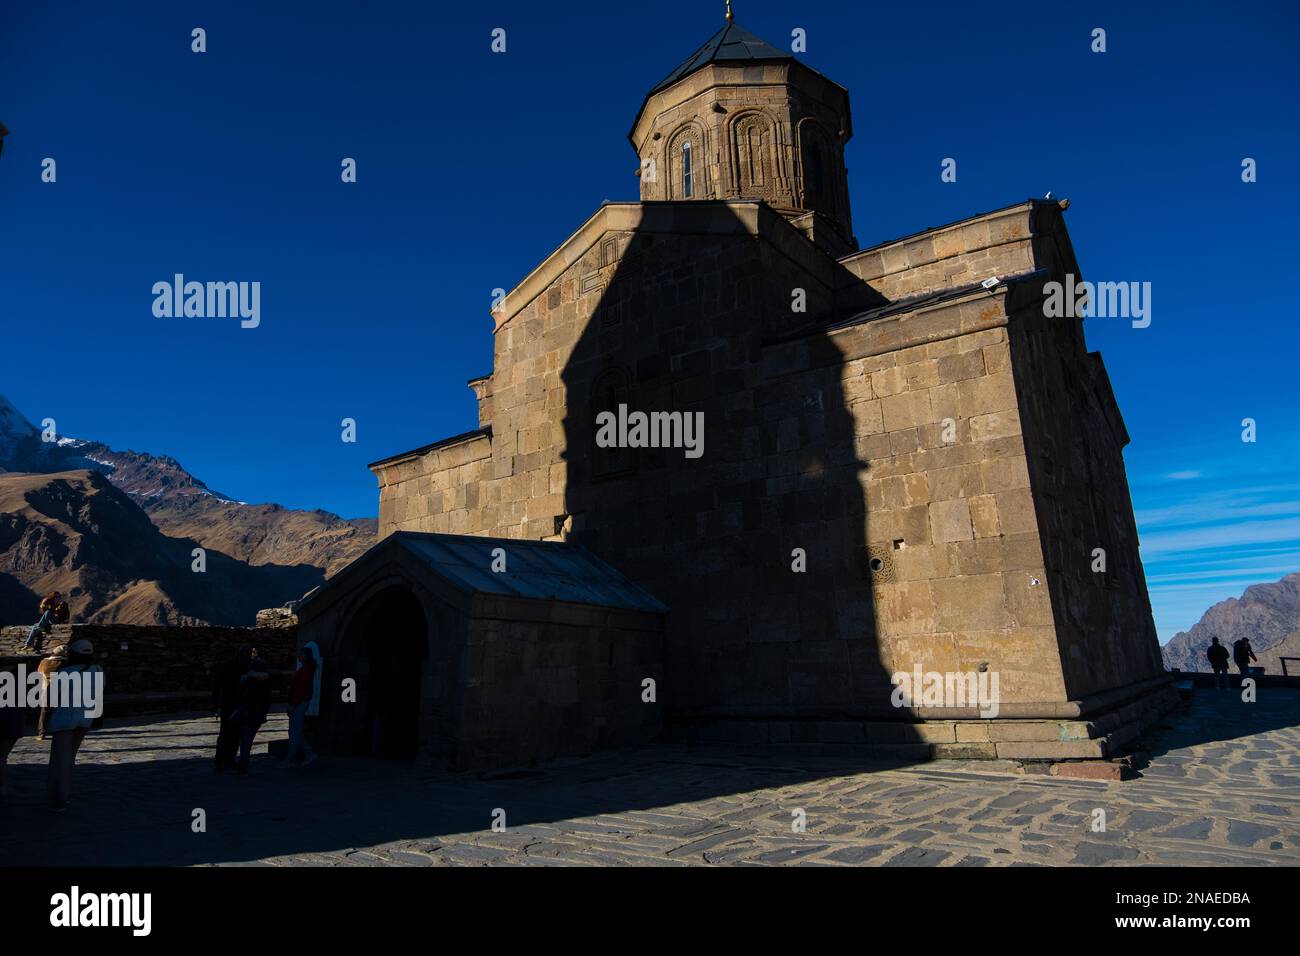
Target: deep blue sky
<point x="474" y="166"/>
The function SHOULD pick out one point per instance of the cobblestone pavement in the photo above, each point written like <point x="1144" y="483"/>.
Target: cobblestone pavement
<point x="1223" y="787"/>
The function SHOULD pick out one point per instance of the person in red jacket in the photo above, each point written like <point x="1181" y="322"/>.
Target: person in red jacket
<point x="302" y="688"/>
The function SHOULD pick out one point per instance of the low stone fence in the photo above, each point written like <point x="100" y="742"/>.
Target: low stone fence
<point x="1202" y="679"/>
<point x="161" y="668"/>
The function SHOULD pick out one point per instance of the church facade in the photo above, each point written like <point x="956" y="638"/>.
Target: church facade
<point x="904" y="466"/>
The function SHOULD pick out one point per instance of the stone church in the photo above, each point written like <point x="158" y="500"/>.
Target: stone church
<point x="905" y="467"/>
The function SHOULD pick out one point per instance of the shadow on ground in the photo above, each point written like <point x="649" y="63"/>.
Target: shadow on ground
<point x="134" y="805"/>
<point x="1222" y="772"/>
<point x="1218" y="727"/>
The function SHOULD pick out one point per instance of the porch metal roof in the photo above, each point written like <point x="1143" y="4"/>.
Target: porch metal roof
<point x="544" y="570"/>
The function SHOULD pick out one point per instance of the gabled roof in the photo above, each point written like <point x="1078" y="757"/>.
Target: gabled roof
<point x="540" y="570"/>
<point x="900" y="306"/>
<point x="935" y="297"/>
<point x="732" y="42"/>
<point x="485" y="432"/>
<point x="547" y="570"/>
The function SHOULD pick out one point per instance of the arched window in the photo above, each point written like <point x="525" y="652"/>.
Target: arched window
<point x="822" y="172"/>
<point x="814" y="185"/>
<point x="684" y="164"/>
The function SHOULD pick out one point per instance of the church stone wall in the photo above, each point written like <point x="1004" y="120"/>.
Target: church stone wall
<point x="436" y="490"/>
<point x="833" y="444"/>
<point x="997" y="244"/>
<point x="902" y="456"/>
<point x="543" y="680"/>
<point x="160" y="667"/>
<point x="955" y="566"/>
<point x="1104" y="623"/>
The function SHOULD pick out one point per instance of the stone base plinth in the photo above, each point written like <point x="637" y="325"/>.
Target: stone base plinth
<point x="1098" y="728"/>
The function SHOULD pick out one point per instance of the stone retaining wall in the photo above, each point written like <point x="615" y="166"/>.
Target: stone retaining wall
<point x="152" y="668"/>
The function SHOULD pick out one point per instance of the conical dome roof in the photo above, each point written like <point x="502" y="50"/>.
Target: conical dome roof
<point x="732" y="42"/>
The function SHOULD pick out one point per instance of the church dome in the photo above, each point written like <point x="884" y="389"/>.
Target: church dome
<point x="742" y="119"/>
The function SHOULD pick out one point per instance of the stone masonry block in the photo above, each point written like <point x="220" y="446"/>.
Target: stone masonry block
<point x="951" y="520"/>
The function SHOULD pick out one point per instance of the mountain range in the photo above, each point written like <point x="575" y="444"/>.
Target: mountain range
<point x="1268" y="614"/>
<point x="115" y="531"/>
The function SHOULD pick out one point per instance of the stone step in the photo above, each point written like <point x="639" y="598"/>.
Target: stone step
<point x="1035" y="740"/>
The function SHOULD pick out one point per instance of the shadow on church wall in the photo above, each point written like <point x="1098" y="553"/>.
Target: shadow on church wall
<point x="689" y="322"/>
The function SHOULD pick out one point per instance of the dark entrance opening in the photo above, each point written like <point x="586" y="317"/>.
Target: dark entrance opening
<point x="391" y="637"/>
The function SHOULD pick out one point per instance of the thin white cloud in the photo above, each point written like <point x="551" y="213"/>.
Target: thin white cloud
<point x="1231" y="537"/>
<point x="1159" y="582"/>
<point x="1251" y="560"/>
<point x="1209" y="509"/>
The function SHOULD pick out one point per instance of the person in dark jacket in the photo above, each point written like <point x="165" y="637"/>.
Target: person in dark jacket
<point x="254" y="704"/>
<point x="1218" y="657"/>
<point x="225" y="700"/>
<point x="1242" y="654"/>
<point x="11" y="728"/>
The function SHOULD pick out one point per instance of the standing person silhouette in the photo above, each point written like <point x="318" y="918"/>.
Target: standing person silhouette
<point x="68" y="722"/>
<point x="304" y="688"/>
<point x="1218" y="657"/>
<point x="11" y="728"/>
<point x="225" y="699"/>
<point x="1242" y="654"/>
<point x="254" y="703"/>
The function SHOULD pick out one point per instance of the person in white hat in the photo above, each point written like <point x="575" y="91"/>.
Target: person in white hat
<point x="69" y="720"/>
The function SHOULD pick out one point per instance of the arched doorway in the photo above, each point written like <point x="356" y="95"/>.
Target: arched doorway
<point x="389" y="636"/>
